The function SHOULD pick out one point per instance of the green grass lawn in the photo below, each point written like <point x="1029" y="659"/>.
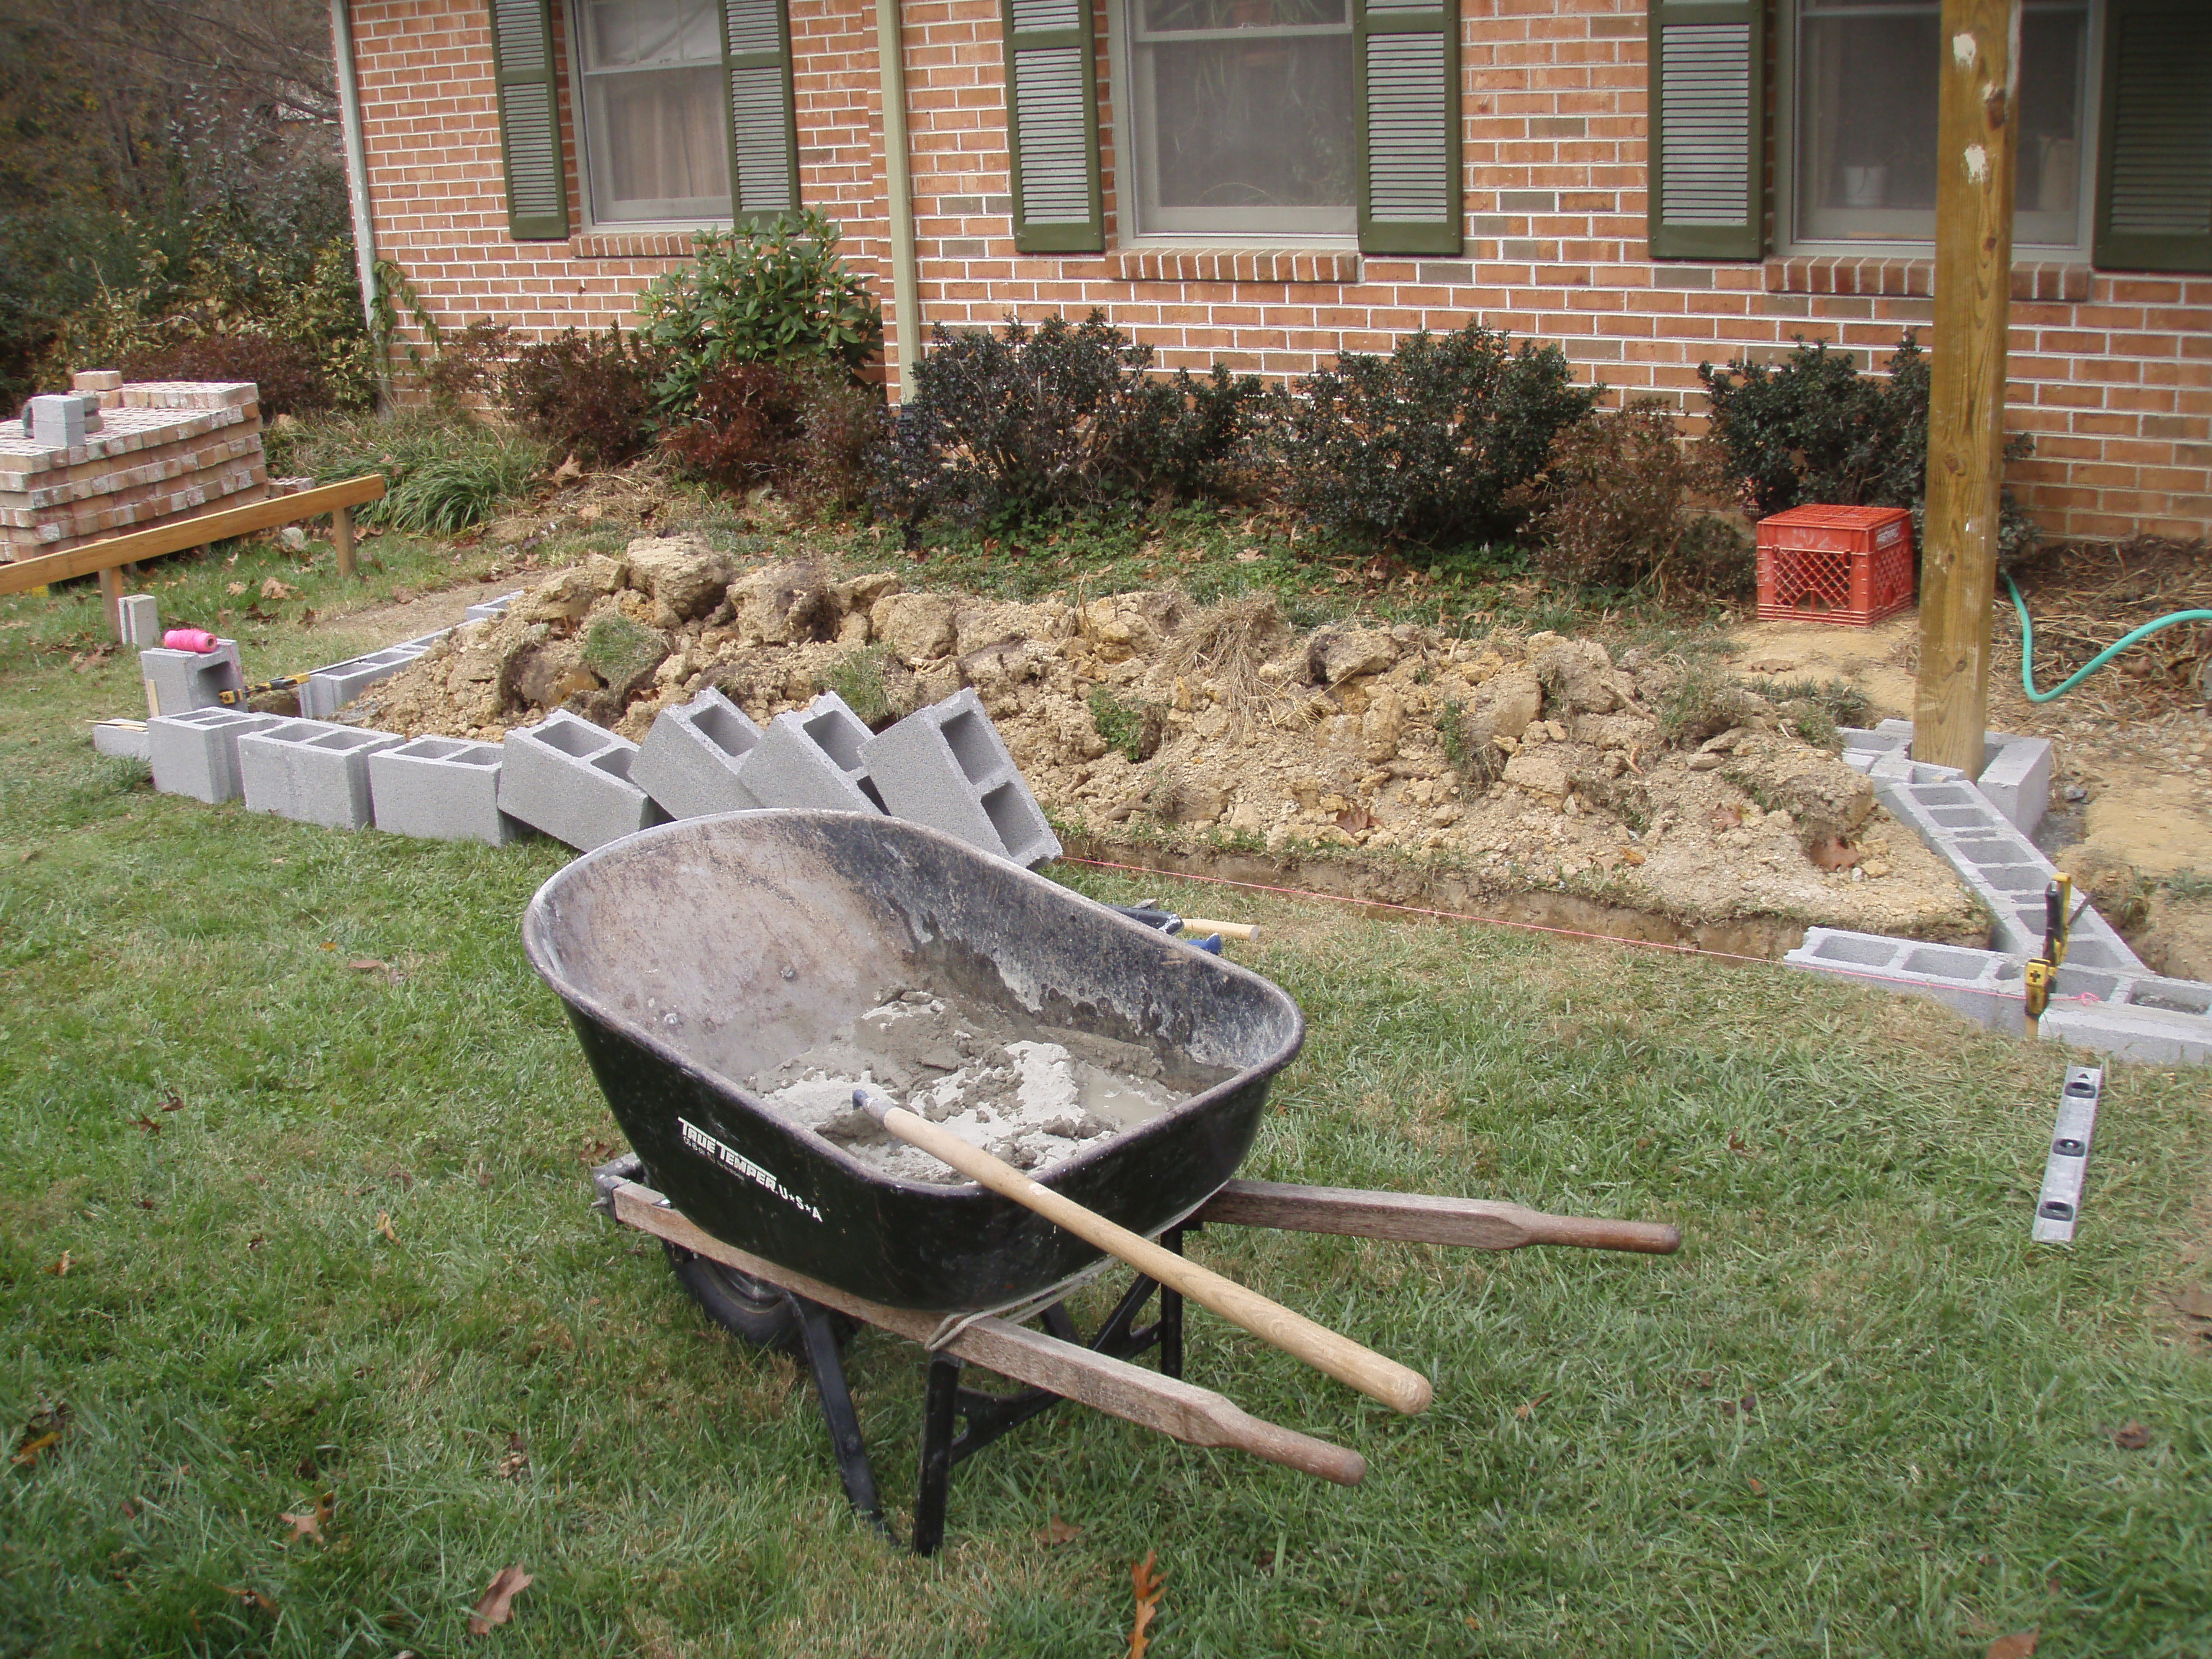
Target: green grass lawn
<point x="325" y="1231"/>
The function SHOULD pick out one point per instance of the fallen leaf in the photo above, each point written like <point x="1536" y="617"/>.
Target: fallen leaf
<point x="26" y="858"/>
<point x="275" y="589"/>
<point x="496" y="1605"/>
<point x="1148" y="1584"/>
<point x="1740" y="1147"/>
<point x="403" y="596"/>
<point x="1726" y="817"/>
<point x="368" y="965"/>
<point x="27" y="1449"/>
<point x="60" y="1269"/>
<point x="309" y="1523"/>
<point x="2195" y="1301"/>
<point x="1353" y="819"/>
<point x="1757" y="1490"/>
<point x="517" y="1460"/>
<point x="1057" y="1532"/>
<point x="252" y="1598"/>
<point x="1250" y="556"/>
<point x="307" y="616"/>
<point x="171" y="1100"/>
<point x="145" y="1123"/>
<point x="234" y="589"/>
<point x="568" y="469"/>
<point x="2019" y="1645"/>
<point x="1526" y="1409"/>
<point x="1833" y="853"/>
<point x="384" y="1225"/>
<point x="1631" y="855"/>
<point x="2132" y="1436"/>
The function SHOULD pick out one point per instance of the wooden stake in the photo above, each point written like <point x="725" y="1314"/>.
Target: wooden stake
<point x="111" y="600"/>
<point x="1975" y="145"/>
<point x="341" y="538"/>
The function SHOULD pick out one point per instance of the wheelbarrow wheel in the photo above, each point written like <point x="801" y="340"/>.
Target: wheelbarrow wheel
<point x="753" y="1312"/>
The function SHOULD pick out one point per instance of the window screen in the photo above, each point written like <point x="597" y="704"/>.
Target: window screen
<point x="1867" y="89"/>
<point x="656" y="137"/>
<point x="1244" y="116"/>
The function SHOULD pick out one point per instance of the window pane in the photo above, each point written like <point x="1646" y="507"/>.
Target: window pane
<point x="1185" y="16"/>
<point x="1867" y="90"/>
<point x="659" y="147"/>
<point x="624" y="34"/>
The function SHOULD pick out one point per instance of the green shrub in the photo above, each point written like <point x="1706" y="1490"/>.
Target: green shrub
<point x="778" y="295"/>
<point x="1813" y="429"/>
<point x="1058" y="420"/>
<point x="1425" y="447"/>
<point x="585" y="395"/>
<point x="441" y="475"/>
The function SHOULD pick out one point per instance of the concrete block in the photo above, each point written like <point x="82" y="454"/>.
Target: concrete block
<point x="328" y="689"/>
<point x="572" y="780"/>
<point x="311" y="771"/>
<point x="690" y="759"/>
<point x="180" y="680"/>
<point x="491" y="610"/>
<point x="2155" y="1037"/>
<point x="57" y="422"/>
<point x="2017" y="782"/>
<point x="124" y="739"/>
<point x="812" y="758"/>
<point x="946" y="766"/>
<point x="141" y="620"/>
<point x="441" y="789"/>
<point x="196" y="753"/>
<point x="1988" y="987"/>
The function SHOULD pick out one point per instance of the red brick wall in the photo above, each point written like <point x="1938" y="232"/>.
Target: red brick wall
<point x="2113" y="373"/>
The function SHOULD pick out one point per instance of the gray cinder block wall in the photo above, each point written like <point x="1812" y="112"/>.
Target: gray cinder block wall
<point x="572" y="780"/>
<point x="196" y="752"/>
<point x="812" y="758"/>
<point x="311" y="772"/>
<point x="329" y="688"/>
<point x="441" y="789"/>
<point x="946" y="766"/>
<point x="691" y="760"/>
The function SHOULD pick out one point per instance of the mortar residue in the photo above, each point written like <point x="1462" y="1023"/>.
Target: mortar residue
<point x="1032" y="1095"/>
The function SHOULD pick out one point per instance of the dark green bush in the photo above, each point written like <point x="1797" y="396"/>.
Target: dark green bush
<point x="1061" y="419"/>
<point x="1815" y="429"/>
<point x="585" y="395"/>
<point x="1425" y="447"/>
<point x="779" y="294"/>
<point x="808" y="429"/>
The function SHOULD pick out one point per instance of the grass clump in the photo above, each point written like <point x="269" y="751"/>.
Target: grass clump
<point x="443" y="476"/>
<point x="1134" y="728"/>
<point x="861" y="678"/>
<point x="623" y="653"/>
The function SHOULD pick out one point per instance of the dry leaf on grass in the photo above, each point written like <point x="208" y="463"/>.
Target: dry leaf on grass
<point x="274" y="589"/>
<point x="1057" y="1531"/>
<point x="496" y="1606"/>
<point x="234" y="589"/>
<point x="28" y="1448"/>
<point x="142" y="1121"/>
<point x="517" y="1460"/>
<point x="1526" y="1409"/>
<point x="308" y="1523"/>
<point x="2195" y="1301"/>
<point x="1149" y="1584"/>
<point x="569" y="468"/>
<point x="253" y="1598"/>
<point x="2020" y="1645"/>
<point x="2132" y="1436"/>
<point x="384" y="1225"/>
<point x="366" y="965"/>
<point x="171" y="1100"/>
<point x="1757" y="1489"/>
<point x="60" y="1269"/>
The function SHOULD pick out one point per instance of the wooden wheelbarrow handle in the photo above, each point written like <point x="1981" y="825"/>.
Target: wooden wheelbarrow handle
<point x="1421" y="1219"/>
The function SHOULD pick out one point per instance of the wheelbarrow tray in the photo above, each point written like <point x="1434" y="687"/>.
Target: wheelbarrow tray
<point x="696" y="954"/>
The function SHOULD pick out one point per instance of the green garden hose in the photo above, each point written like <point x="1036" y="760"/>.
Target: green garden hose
<point x="2028" y="647"/>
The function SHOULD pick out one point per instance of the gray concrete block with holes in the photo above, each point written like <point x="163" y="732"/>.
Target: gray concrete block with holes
<point x="331" y="687"/>
<point x="572" y="780"/>
<point x="689" y="761"/>
<point x="946" y="766"/>
<point x="122" y="739"/>
<point x="491" y="610"/>
<point x="1988" y="987"/>
<point x="311" y="772"/>
<point x="441" y="789"/>
<point x="2017" y="782"/>
<point x="178" y="681"/>
<point x="196" y="753"/>
<point x="811" y="758"/>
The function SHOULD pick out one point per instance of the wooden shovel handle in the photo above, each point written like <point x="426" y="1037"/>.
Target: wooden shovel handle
<point x="1421" y="1218"/>
<point x="1378" y="1378"/>
<point x="1198" y="928"/>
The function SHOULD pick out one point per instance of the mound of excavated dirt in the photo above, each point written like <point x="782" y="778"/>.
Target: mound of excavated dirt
<point x="1516" y="762"/>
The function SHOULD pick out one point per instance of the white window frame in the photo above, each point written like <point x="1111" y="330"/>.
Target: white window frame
<point x="1786" y="128"/>
<point x="578" y="113"/>
<point x="1127" y="101"/>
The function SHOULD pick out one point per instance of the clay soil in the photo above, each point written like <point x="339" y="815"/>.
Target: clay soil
<point x="1511" y="774"/>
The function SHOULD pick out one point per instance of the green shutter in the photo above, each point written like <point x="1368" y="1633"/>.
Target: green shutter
<point x="529" y="120"/>
<point x="2154" y="181"/>
<point x="763" y="129"/>
<point x="1408" y="157"/>
<point x="1707" y="183"/>
<point x="1052" y="126"/>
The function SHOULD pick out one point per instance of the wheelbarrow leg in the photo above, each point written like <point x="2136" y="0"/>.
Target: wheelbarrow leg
<point x="939" y="1408"/>
<point x="820" y="1342"/>
<point x="1170" y="1319"/>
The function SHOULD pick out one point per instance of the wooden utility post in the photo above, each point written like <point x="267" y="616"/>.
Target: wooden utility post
<point x="1975" y="147"/>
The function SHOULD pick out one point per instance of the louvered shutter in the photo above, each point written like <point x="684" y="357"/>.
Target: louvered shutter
<point x="1708" y="67"/>
<point x="1407" y="54"/>
<point x="529" y="120"/>
<point x="763" y="132"/>
<point x="2155" y="186"/>
<point x="1052" y="126"/>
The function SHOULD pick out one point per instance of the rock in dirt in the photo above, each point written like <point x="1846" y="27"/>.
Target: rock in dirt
<point x="683" y="576"/>
<point x="1337" y="655"/>
<point x="788" y="604"/>
<point x="918" y="627"/>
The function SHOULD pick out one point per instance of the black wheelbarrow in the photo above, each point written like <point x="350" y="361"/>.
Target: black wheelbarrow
<point x="695" y="954"/>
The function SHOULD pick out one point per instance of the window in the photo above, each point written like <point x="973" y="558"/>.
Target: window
<point x="1864" y="108"/>
<point x="655" y="133"/>
<point x="1243" y="118"/>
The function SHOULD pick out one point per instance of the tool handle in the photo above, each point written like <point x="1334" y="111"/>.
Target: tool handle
<point x="1374" y="1375"/>
<point x="1246" y="931"/>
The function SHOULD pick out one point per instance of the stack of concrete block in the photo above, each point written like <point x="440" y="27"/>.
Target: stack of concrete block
<point x="441" y="789"/>
<point x="572" y="780"/>
<point x="491" y="610"/>
<point x="180" y="680"/>
<point x="2131" y="1014"/>
<point x="140" y="616"/>
<point x="160" y="451"/>
<point x="812" y="758"/>
<point x="947" y="767"/>
<point x="327" y="690"/>
<point x="2015" y="774"/>
<point x="692" y="761"/>
<point x="196" y="752"/>
<point x="311" y="772"/>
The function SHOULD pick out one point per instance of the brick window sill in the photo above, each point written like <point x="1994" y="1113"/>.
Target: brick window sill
<point x="1912" y="279"/>
<point x="650" y="245"/>
<point x="1197" y="264"/>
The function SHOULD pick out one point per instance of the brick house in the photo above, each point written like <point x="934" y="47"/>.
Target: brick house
<point x="1268" y="182"/>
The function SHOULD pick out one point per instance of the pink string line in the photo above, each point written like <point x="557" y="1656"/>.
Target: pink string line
<point x="1839" y="969"/>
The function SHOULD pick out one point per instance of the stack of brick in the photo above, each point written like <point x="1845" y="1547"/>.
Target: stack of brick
<point x="149" y="453"/>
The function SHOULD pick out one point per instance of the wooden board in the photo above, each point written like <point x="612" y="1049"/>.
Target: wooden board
<point x="1421" y="1219"/>
<point x="179" y="534"/>
<point x="1197" y="1416"/>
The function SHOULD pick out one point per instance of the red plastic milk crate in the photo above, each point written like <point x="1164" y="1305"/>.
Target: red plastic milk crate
<point x="1851" y="565"/>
